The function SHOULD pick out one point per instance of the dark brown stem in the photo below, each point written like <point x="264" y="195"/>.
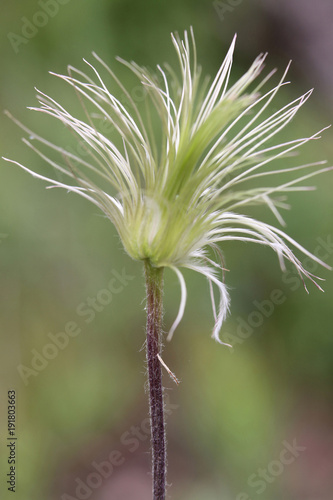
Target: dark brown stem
<point x="154" y="285"/>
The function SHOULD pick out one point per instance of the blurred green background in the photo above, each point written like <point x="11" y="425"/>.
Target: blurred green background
<point x="234" y="413"/>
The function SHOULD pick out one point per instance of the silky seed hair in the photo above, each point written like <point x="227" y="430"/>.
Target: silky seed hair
<point x="176" y="178"/>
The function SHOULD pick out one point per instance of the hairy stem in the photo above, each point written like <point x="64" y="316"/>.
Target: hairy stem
<point x="154" y="286"/>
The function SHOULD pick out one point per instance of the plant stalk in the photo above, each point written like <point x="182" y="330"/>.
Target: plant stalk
<point x="154" y="287"/>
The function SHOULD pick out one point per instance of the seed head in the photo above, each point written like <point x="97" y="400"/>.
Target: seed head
<point x="176" y="177"/>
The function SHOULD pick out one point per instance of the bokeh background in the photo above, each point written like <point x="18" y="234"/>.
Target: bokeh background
<point x="235" y="412"/>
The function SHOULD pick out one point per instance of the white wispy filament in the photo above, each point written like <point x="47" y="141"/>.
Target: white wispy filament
<point x="172" y="177"/>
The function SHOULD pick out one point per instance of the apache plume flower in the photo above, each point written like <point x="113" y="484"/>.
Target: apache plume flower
<point x="174" y="202"/>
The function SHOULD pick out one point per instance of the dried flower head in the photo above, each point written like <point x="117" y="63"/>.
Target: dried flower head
<point x="177" y="182"/>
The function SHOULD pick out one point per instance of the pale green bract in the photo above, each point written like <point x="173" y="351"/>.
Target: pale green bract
<point x="171" y="203"/>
